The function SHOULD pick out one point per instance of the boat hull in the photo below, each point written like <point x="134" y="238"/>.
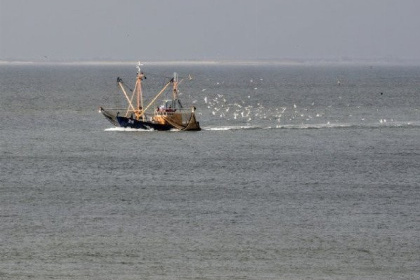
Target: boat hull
<point x="125" y="122"/>
<point x="138" y="124"/>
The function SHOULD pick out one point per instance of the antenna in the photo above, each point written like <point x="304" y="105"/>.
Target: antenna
<point x="138" y="67"/>
<point x="175" y="86"/>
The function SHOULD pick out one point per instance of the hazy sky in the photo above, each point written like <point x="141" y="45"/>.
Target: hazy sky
<point x="208" y="29"/>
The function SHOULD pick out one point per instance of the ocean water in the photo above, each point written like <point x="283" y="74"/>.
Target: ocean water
<point x="300" y="172"/>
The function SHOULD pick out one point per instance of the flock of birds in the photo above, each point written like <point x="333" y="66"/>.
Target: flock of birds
<point x="219" y="106"/>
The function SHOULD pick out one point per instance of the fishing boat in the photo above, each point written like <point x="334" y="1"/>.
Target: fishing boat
<point x="169" y="115"/>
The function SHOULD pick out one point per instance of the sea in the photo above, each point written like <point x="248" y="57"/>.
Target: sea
<point x="301" y="171"/>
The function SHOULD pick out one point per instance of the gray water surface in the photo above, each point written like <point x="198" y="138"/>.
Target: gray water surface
<point x="308" y="180"/>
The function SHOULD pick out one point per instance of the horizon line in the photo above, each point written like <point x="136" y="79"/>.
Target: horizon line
<point x="285" y="61"/>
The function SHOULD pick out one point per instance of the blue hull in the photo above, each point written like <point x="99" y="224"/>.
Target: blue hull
<point x="138" y="124"/>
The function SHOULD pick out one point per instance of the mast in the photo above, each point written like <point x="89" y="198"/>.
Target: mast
<point x="175" y="86"/>
<point x="140" y="77"/>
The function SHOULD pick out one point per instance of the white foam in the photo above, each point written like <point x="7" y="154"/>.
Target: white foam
<point x="224" y="128"/>
<point x="327" y="125"/>
<point x="128" y="129"/>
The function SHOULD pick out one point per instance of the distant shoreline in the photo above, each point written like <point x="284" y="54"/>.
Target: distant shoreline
<point x="173" y="62"/>
<point x="285" y="62"/>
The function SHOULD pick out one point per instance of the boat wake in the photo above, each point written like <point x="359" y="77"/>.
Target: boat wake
<point x="232" y="127"/>
<point x="127" y="129"/>
<point x="317" y="126"/>
<point x="287" y="126"/>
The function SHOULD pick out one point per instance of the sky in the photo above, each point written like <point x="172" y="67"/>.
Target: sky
<point x="129" y="30"/>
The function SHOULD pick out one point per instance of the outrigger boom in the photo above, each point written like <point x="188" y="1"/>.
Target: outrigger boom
<point x="170" y="115"/>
